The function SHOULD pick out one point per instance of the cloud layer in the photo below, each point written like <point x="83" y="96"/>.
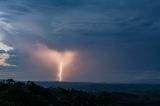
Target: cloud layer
<point x="117" y="41"/>
<point x="5" y="28"/>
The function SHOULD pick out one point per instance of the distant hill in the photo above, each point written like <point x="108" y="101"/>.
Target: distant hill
<point x="97" y="87"/>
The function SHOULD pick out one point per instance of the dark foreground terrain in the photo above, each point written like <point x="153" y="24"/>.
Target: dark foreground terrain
<point x="14" y="93"/>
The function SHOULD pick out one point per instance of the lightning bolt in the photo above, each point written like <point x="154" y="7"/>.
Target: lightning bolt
<point x="60" y="70"/>
<point x="60" y="59"/>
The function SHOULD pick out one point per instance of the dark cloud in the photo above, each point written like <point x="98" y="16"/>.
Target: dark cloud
<point x="2" y="51"/>
<point x="118" y="40"/>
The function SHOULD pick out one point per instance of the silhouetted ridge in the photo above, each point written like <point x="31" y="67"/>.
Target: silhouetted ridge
<point x="13" y="93"/>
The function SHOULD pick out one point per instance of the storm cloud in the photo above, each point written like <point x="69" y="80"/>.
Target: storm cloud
<point x="117" y="41"/>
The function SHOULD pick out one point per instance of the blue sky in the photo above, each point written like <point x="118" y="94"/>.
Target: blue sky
<point x="116" y="40"/>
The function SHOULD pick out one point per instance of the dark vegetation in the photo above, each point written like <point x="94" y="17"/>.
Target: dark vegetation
<point x="14" y="93"/>
<point x="29" y="94"/>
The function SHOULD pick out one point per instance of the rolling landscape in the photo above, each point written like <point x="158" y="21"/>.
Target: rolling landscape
<point x="15" y="93"/>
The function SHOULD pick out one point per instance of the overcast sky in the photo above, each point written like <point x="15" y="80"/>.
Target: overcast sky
<point x="115" y="40"/>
